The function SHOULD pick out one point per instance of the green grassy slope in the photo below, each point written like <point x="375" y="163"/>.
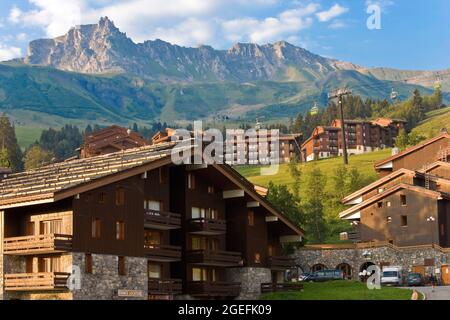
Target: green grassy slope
<point x="435" y="121"/>
<point x="364" y="163"/>
<point x="341" y="290"/>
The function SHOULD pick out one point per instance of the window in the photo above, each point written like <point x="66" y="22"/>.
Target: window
<point x="211" y="189"/>
<point x="154" y="271"/>
<point x="257" y="257"/>
<point x="120" y="196"/>
<point x="120" y="230"/>
<point x="102" y="197"/>
<point x="88" y="263"/>
<point x="380" y="204"/>
<point x="213" y="214"/>
<point x="153" y="205"/>
<point x="152" y="238"/>
<point x="270" y="251"/>
<point x="198" y="243"/>
<point x="389" y="219"/>
<point x="162" y="175"/>
<point x="404" y="221"/>
<point x="388" y="204"/>
<point x="96" y="228"/>
<point x="403" y="200"/>
<point x="191" y="181"/>
<point x="121" y="266"/>
<point x="199" y="274"/>
<point x="251" y="218"/>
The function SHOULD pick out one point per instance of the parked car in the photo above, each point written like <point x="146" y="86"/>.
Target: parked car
<point x="325" y="275"/>
<point x="415" y="280"/>
<point x="392" y="276"/>
<point x="304" y="276"/>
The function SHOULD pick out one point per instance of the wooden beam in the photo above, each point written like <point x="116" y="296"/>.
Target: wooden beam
<point x="252" y="204"/>
<point x="290" y="239"/>
<point x="271" y="219"/>
<point x="229" y="194"/>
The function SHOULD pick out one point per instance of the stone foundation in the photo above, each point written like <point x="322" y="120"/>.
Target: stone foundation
<point x="381" y="256"/>
<point x="104" y="282"/>
<point x="250" y="279"/>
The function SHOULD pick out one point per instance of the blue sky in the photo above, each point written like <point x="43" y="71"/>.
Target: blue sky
<point x="414" y="34"/>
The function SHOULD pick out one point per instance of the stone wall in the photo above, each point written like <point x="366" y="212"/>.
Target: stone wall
<point x="105" y="281"/>
<point x="404" y="257"/>
<point x="250" y="279"/>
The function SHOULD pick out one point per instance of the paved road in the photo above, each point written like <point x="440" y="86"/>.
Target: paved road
<point x="440" y="293"/>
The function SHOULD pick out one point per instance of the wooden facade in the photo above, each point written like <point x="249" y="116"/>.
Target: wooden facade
<point x="189" y="223"/>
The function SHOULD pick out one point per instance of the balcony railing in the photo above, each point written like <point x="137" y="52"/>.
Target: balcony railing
<point x="281" y="263"/>
<point x="161" y="220"/>
<point x="162" y="253"/>
<point x="213" y="289"/>
<point x="164" y="286"/>
<point x="214" y="258"/>
<point x="42" y="281"/>
<point x="206" y="226"/>
<point x="40" y="244"/>
<point x="280" y="287"/>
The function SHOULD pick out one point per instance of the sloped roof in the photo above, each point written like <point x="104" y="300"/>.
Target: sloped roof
<point x="423" y="191"/>
<point x="378" y="183"/>
<point x="434" y="165"/>
<point x="412" y="149"/>
<point x="113" y="136"/>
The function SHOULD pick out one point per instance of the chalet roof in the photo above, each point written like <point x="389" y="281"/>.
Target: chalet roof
<point x="435" y="165"/>
<point x="113" y="136"/>
<point x="378" y="183"/>
<point x="47" y="181"/>
<point x="423" y="191"/>
<point x="412" y="149"/>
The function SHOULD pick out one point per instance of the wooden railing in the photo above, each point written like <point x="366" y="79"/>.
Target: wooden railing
<point x="213" y="288"/>
<point x="207" y="226"/>
<point x="41" y="281"/>
<point x="281" y="262"/>
<point x="164" y="286"/>
<point x="40" y="244"/>
<point x="160" y="252"/>
<point x="279" y="287"/>
<point x="215" y="258"/>
<point x="162" y="219"/>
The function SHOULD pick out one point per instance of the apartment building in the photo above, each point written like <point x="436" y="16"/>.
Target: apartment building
<point x="409" y="206"/>
<point x="109" y="140"/>
<point x="132" y="225"/>
<point x="361" y="137"/>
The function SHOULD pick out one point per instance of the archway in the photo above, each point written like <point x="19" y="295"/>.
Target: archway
<point x="318" y="267"/>
<point x="363" y="269"/>
<point x="346" y="270"/>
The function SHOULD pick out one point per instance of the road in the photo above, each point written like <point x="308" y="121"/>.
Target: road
<point x="440" y="293"/>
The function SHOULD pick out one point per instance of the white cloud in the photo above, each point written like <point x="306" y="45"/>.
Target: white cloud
<point x="8" y="52"/>
<point x="21" y="36"/>
<point x="285" y="25"/>
<point x="337" y="24"/>
<point x="333" y="12"/>
<point x="14" y="15"/>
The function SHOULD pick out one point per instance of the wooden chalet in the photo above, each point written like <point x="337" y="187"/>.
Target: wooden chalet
<point x="131" y="224"/>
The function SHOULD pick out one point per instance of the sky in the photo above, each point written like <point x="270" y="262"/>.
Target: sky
<point x="407" y="34"/>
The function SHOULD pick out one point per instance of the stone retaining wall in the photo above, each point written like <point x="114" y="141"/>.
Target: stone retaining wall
<point x="406" y="258"/>
<point x="250" y="279"/>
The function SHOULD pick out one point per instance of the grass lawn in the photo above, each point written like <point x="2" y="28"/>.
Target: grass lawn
<point x="436" y="120"/>
<point x="363" y="162"/>
<point x="340" y="290"/>
<point x="27" y="135"/>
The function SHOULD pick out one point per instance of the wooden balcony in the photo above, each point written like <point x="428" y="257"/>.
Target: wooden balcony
<point x="162" y="253"/>
<point x="213" y="289"/>
<point x="164" y="286"/>
<point x="281" y="287"/>
<point x="162" y="220"/>
<point x="205" y="226"/>
<point x="281" y="263"/>
<point x="40" y="244"/>
<point x="214" y="258"/>
<point x="42" y="281"/>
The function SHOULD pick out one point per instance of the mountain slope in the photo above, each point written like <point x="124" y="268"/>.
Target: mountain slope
<point x="436" y="120"/>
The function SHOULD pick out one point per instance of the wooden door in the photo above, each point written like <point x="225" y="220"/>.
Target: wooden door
<point x="51" y="227"/>
<point x="445" y="274"/>
<point x="419" y="269"/>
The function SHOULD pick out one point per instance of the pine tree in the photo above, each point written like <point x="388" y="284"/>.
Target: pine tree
<point x="296" y="174"/>
<point x="8" y="141"/>
<point x="4" y="158"/>
<point x="37" y="157"/>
